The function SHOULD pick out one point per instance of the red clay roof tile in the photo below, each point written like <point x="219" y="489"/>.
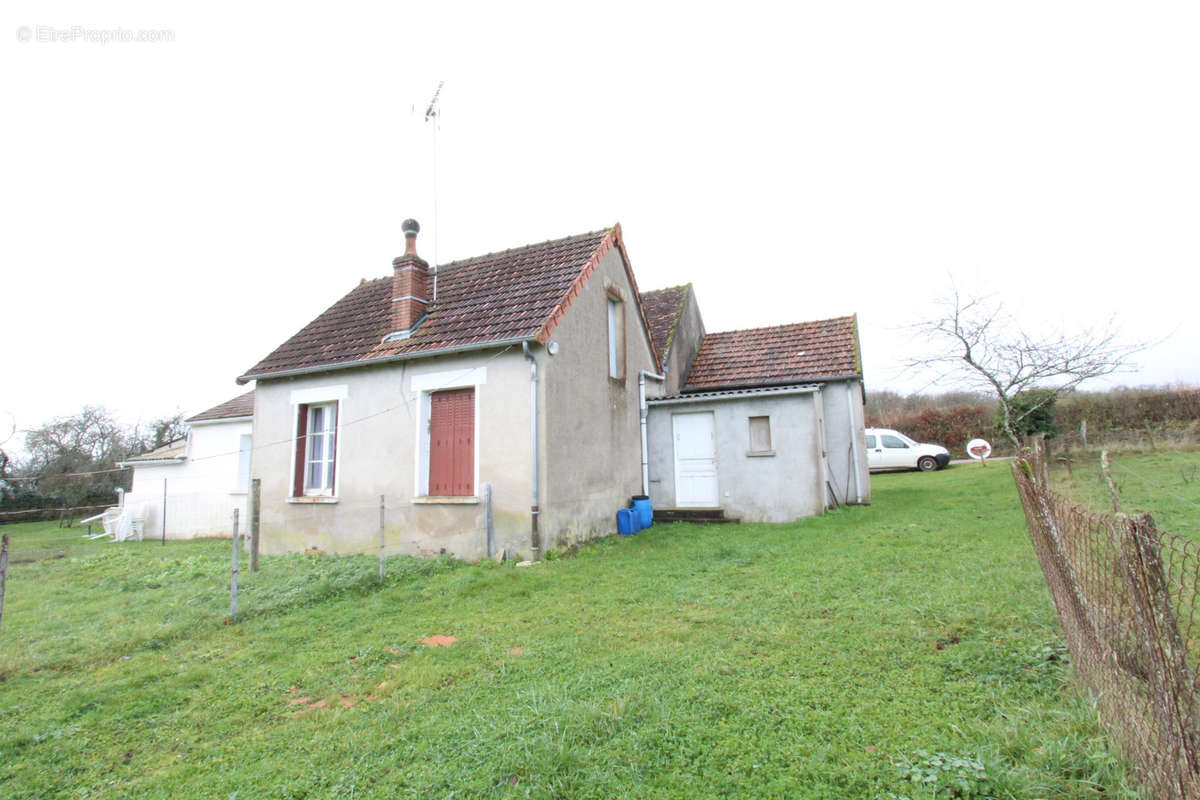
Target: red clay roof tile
<point x="240" y="406"/>
<point x="800" y="353"/>
<point x="514" y="294"/>
<point x="663" y="307"/>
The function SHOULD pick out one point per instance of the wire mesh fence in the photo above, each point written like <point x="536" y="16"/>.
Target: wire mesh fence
<point x="1127" y="597"/>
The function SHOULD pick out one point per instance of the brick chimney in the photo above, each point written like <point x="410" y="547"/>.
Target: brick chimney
<point x="410" y="285"/>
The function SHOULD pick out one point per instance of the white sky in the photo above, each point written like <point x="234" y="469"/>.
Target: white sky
<point x="172" y="211"/>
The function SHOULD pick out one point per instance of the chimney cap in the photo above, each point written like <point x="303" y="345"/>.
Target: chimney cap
<point x="410" y="227"/>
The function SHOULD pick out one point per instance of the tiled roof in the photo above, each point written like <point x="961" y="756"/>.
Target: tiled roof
<point x="515" y="294"/>
<point x="173" y="450"/>
<point x="240" y="406"/>
<point x="800" y="353"/>
<point x="663" y="308"/>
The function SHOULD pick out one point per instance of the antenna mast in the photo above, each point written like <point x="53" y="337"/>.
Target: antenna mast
<point x="433" y="113"/>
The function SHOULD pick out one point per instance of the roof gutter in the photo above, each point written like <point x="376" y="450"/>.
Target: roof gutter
<point x="851" y="376"/>
<point x="370" y="362"/>
<point x="216" y="420"/>
<point x="718" y="397"/>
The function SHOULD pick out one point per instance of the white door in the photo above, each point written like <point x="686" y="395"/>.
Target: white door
<point x="695" y="460"/>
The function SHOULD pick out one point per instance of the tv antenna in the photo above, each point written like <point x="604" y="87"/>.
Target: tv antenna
<point x="433" y="113"/>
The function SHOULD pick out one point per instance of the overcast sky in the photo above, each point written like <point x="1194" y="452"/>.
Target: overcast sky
<point x="172" y="210"/>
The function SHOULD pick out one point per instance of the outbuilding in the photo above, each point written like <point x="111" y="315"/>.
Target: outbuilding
<point x="767" y="428"/>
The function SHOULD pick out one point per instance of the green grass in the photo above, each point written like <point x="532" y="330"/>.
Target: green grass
<point x="804" y="660"/>
<point x="1165" y="483"/>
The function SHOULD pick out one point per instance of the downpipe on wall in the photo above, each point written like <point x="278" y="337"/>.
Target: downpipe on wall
<point x="854" y="446"/>
<point x="644" y="412"/>
<point x="535" y="542"/>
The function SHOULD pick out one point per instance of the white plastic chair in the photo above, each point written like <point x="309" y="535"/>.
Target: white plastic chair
<point x="110" y="519"/>
<point x="137" y="519"/>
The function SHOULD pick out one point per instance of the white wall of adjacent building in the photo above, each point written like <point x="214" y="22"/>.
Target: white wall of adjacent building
<point x="202" y="491"/>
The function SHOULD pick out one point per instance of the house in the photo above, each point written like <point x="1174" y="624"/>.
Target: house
<point x="514" y="401"/>
<point x="203" y="477"/>
<point x="768" y="424"/>
<point x="514" y="376"/>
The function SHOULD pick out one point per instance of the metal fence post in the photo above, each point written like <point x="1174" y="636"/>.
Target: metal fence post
<point x="233" y="584"/>
<point x="382" y="543"/>
<point x="3" y="572"/>
<point x="255" y="503"/>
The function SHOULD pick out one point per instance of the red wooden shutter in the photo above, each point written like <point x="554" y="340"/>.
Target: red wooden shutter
<point x="452" y="443"/>
<point x="464" y="443"/>
<point x="301" y="451"/>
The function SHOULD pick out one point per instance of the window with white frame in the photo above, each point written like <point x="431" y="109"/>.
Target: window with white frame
<point x="446" y="463"/>
<point x="316" y="449"/>
<point x="616" y="338"/>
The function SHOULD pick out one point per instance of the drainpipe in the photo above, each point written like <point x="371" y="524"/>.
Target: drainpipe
<point x="854" y="446"/>
<point x="534" y="537"/>
<point x="644" y="413"/>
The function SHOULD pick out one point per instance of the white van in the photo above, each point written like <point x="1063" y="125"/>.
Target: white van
<point x="888" y="449"/>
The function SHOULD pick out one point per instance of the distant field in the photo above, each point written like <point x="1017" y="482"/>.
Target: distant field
<point x="803" y="660"/>
<point x="1165" y="483"/>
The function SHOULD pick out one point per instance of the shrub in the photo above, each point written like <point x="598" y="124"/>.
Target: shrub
<point x="950" y="427"/>
<point x="1032" y="412"/>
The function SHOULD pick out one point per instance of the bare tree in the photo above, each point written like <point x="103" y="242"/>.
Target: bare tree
<point x="157" y="433"/>
<point x="7" y="432"/>
<point x="92" y="441"/>
<point x="981" y="342"/>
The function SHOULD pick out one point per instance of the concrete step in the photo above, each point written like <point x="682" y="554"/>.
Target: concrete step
<point x="706" y="515"/>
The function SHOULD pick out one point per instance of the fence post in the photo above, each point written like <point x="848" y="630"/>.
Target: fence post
<point x="233" y="587"/>
<point x="382" y="555"/>
<point x="1106" y="471"/>
<point x="1037" y="443"/>
<point x="487" y="512"/>
<point x="1173" y="702"/>
<point x="3" y="572"/>
<point x="255" y="500"/>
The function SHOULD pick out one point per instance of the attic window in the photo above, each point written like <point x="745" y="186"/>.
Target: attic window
<point x="616" y="338"/>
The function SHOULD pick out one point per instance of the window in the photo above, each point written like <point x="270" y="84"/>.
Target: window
<point x="452" y="443"/>
<point x="243" y="469"/>
<point x="760" y="436"/>
<point x="616" y="338"/>
<point x="316" y="449"/>
<point x="892" y="441"/>
<point x="870" y="441"/>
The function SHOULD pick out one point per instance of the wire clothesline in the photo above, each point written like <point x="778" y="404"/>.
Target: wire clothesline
<point x="257" y="446"/>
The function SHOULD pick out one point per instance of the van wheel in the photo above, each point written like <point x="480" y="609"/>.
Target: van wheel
<point x="927" y="463"/>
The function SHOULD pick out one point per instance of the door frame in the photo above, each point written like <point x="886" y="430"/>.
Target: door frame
<point x="675" y="458"/>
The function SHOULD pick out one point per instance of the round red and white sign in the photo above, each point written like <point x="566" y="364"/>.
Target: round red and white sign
<point x="979" y="449"/>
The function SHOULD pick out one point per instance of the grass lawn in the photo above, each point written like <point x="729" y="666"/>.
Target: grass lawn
<point x="1165" y="483"/>
<point x="803" y="660"/>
